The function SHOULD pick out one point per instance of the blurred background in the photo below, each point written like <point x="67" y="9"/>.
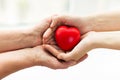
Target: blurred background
<point x="31" y="11"/>
<point x="102" y="64"/>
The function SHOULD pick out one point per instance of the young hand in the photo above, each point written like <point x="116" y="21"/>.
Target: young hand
<point x="78" y="53"/>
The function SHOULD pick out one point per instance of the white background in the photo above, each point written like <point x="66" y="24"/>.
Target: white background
<point x="102" y="64"/>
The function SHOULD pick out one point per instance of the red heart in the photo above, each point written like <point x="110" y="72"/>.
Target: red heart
<point x="67" y="37"/>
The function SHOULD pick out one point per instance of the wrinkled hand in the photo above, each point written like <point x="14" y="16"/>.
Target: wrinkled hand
<point x="44" y="58"/>
<point x="41" y="56"/>
<point x="38" y="30"/>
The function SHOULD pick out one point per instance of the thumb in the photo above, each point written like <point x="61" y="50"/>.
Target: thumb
<point x="65" y="57"/>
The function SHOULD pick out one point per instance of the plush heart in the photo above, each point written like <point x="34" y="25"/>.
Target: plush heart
<point x="67" y="37"/>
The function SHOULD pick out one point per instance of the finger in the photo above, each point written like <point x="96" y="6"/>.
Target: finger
<point x="65" y="20"/>
<point x="65" y="57"/>
<point x="63" y="65"/>
<point x="69" y="63"/>
<point x="44" y="22"/>
<point x="59" y="20"/>
<point x="46" y="35"/>
<point x="80" y="60"/>
<point x="52" y="41"/>
<point x="59" y="64"/>
<point x="52" y="50"/>
<point x="56" y="21"/>
<point x="83" y="58"/>
<point x="78" y="51"/>
<point x="57" y="48"/>
<point x="76" y="55"/>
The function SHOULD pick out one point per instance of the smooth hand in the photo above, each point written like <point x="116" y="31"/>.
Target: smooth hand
<point x="78" y="53"/>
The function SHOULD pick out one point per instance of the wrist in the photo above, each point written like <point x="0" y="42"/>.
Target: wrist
<point x="36" y="55"/>
<point x="100" y="39"/>
<point x="86" y="24"/>
<point x="16" y="60"/>
<point x="93" y="40"/>
<point x="32" y="37"/>
<point x="28" y="58"/>
<point x="96" y="23"/>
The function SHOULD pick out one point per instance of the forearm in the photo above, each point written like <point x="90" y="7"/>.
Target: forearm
<point x="104" y="22"/>
<point x="109" y="40"/>
<point x="16" y="38"/>
<point x="13" y="61"/>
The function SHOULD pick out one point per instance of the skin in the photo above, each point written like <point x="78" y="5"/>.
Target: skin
<point x="16" y="38"/>
<point x="90" y="40"/>
<point x="20" y="49"/>
<point x="96" y="31"/>
<point x="13" y="61"/>
<point x="91" y="28"/>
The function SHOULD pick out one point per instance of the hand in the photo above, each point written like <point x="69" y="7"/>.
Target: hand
<point x="58" y="20"/>
<point x="38" y="30"/>
<point x="28" y="57"/>
<point x="44" y="58"/>
<point x="48" y="37"/>
<point x="89" y="41"/>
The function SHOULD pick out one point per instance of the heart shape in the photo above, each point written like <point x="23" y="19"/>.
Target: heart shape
<point x="67" y="37"/>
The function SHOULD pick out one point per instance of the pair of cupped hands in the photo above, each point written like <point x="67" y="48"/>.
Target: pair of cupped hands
<point x="57" y="58"/>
